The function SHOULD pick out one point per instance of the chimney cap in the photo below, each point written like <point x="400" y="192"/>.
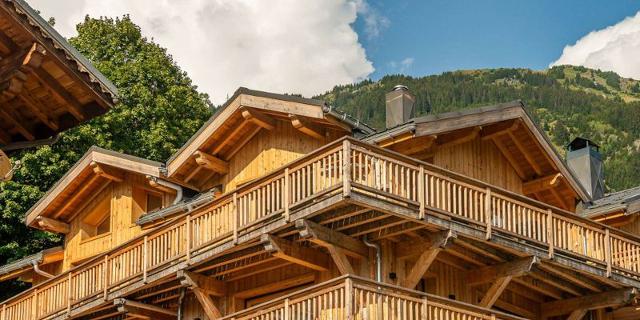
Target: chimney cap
<point x="400" y="87"/>
<point x="581" y="143"/>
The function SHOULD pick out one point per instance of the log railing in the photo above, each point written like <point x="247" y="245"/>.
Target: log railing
<point x="350" y="297"/>
<point x="366" y="169"/>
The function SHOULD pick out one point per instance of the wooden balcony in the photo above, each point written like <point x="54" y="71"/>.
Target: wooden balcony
<point x="350" y="297"/>
<point x="407" y="189"/>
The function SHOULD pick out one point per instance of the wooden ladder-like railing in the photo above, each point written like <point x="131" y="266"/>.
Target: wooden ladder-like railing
<point x="351" y="297"/>
<point x="344" y="166"/>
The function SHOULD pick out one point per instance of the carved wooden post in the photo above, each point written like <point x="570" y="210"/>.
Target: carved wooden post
<point x="607" y="250"/>
<point x="236" y="217"/>
<point x="145" y="258"/>
<point x="348" y="295"/>
<point x="285" y="194"/>
<point x="346" y="169"/>
<point x="422" y="187"/>
<point x="550" y="233"/>
<point x="187" y="246"/>
<point x="488" y="213"/>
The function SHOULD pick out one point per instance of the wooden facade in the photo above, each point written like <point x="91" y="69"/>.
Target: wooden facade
<point x="467" y="216"/>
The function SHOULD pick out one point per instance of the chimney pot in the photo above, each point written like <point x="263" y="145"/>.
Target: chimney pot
<point x="399" y="106"/>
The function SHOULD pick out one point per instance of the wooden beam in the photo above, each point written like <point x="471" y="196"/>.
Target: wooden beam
<point x="258" y="118"/>
<point x="78" y="194"/>
<point x="418" y="245"/>
<point x="31" y="103"/>
<point x="295" y="253"/>
<point x="240" y="144"/>
<point x="494" y="292"/>
<point x="70" y="102"/>
<point x="326" y="237"/>
<point x="514" y="164"/>
<point x="227" y="138"/>
<point x="208" y="284"/>
<point x="307" y="128"/>
<point x="543" y="183"/>
<point x="577" y="314"/>
<point x="8" y="43"/>
<point x="143" y="310"/>
<point x="340" y="259"/>
<point x="527" y="155"/>
<point x="493" y="131"/>
<point x="276" y="286"/>
<point x="210" y="162"/>
<point x="606" y="299"/>
<point x="107" y="172"/>
<point x="52" y="225"/>
<point x="457" y="138"/>
<point x="208" y="305"/>
<point x="18" y="123"/>
<point x="516" y="268"/>
<point x="192" y="174"/>
<point x="438" y="242"/>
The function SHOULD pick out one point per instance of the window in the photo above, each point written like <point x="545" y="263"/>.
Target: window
<point x="98" y="219"/>
<point x="154" y="202"/>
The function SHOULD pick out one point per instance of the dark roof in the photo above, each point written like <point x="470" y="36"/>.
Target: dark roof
<point x="411" y="123"/>
<point x="613" y="202"/>
<point x="47" y="31"/>
<point x="27" y="261"/>
<point x="186" y="204"/>
<point x="355" y="123"/>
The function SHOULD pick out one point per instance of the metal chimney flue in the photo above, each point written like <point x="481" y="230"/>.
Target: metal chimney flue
<point x="584" y="159"/>
<point x="399" y="106"/>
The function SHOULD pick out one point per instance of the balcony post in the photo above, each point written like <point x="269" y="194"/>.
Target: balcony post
<point x="236" y="218"/>
<point x="286" y="309"/>
<point x="607" y="250"/>
<point x="105" y="276"/>
<point x="4" y="312"/>
<point x="421" y="192"/>
<point x="187" y="245"/>
<point x="285" y="194"/>
<point x="69" y="298"/>
<point x="348" y="296"/>
<point x="34" y="305"/>
<point x="550" y="233"/>
<point x="145" y="258"/>
<point x="488" y="213"/>
<point x="424" y="309"/>
<point x="346" y="169"/>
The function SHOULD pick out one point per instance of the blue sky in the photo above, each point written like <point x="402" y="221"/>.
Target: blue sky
<point x="450" y="35"/>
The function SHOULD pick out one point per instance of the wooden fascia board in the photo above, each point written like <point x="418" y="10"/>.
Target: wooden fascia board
<point x="93" y="156"/>
<point x="241" y="101"/>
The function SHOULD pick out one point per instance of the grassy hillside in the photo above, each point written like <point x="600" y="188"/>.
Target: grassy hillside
<point x="565" y="101"/>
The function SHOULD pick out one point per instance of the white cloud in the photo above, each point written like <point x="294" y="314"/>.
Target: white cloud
<point x="615" y="48"/>
<point x="278" y="45"/>
<point x="403" y="65"/>
<point x="374" y="22"/>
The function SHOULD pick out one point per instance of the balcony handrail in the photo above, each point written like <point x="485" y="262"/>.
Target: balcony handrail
<point x="336" y="170"/>
<point x="383" y="288"/>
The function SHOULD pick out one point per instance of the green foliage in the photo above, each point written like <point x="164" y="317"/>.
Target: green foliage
<point x="159" y="109"/>
<point x="564" y="109"/>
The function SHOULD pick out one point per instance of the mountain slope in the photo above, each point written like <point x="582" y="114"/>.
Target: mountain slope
<point x="565" y="101"/>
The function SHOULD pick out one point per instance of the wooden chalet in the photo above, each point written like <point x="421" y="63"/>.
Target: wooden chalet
<point x="281" y="207"/>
